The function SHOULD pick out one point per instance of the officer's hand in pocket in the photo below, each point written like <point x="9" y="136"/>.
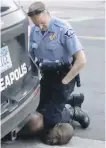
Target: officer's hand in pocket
<point x="65" y="80"/>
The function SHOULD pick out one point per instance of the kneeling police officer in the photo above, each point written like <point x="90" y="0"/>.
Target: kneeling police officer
<point x="54" y="45"/>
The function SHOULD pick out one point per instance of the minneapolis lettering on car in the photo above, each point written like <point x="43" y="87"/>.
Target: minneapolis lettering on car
<point x="9" y="79"/>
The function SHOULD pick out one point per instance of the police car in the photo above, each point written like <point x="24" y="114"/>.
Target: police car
<point x="19" y="82"/>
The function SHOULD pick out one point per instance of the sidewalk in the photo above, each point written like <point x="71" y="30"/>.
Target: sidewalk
<point x="76" y="142"/>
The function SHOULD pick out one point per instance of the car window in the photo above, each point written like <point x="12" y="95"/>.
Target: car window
<point x="7" y="6"/>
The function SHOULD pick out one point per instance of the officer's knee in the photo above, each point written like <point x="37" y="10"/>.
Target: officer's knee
<point x="36" y="122"/>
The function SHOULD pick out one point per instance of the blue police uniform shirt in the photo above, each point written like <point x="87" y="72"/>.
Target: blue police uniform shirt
<point x="59" y="42"/>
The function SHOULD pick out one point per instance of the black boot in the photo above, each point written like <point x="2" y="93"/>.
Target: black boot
<point x="81" y="117"/>
<point x="76" y="100"/>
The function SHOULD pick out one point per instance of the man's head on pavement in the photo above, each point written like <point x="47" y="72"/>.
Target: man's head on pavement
<point x="61" y="134"/>
<point x="39" y="15"/>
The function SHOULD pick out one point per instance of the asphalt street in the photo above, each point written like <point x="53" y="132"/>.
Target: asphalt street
<point x="88" y="20"/>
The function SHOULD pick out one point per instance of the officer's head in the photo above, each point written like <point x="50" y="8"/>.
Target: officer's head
<point x="39" y="15"/>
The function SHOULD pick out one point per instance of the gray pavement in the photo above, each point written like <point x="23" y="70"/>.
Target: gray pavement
<point x="76" y="142"/>
<point x="88" y="23"/>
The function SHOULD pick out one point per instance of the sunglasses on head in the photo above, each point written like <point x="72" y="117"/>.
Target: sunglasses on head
<point x="36" y="12"/>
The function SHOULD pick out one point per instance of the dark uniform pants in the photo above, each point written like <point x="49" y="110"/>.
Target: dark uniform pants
<point x="53" y="97"/>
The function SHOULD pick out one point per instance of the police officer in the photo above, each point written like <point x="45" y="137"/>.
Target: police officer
<point x="52" y="39"/>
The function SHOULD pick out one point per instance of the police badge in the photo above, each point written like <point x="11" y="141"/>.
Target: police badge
<point x="52" y="36"/>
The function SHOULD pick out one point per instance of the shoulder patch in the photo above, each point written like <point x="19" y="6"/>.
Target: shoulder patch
<point x="69" y="33"/>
